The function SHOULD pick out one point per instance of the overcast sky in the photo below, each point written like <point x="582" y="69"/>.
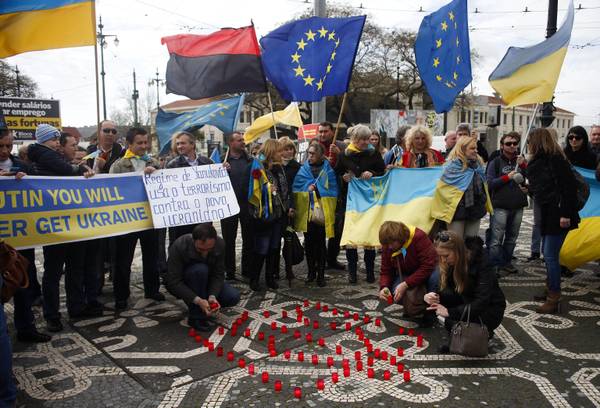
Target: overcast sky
<point x="68" y="74"/>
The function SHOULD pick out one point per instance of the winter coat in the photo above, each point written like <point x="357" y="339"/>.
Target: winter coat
<point x="357" y="163"/>
<point x="181" y="161"/>
<point x="124" y="165"/>
<point x="433" y="157"/>
<point x="291" y="169"/>
<point x="504" y="192"/>
<point x="48" y="162"/>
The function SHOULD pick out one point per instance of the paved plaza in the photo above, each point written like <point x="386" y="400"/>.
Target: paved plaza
<point x="143" y="356"/>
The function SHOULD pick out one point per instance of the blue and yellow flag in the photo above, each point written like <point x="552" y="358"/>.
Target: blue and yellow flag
<point x="529" y="75"/>
<point x="401" y="194"/>
<point x="260" y="190"/>
<point x="452" y="186"/>
<point x="312" y="58"/>
<point x="34" y="25"/>
<point x="215" y="156"/>
<point x="583" y="244"/>
<point x="305" y="201"/>
<point x="443" y="54"/>
<point x="223" y="114"/>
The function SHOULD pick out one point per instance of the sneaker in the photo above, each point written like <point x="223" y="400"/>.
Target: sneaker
<point x="33" y="336"/>
<point x="159" y="297"/>
<point x="202" y="325"/>
<point x="54" y="325"/>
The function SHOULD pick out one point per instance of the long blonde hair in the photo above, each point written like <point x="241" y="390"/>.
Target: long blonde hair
<point x="453" y="242"/>
<point x="460" y="150"/>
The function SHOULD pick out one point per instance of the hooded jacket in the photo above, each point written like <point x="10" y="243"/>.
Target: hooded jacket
<point x="48" y="162"/>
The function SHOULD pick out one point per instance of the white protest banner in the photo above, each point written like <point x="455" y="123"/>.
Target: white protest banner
<point x="190" y="195"/>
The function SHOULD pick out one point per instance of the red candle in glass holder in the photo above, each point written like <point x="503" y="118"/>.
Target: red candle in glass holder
<point x="198" y="339"/>
<point x="390" y="300"/>
<point x="284" y="329"/>
<point x="271" y="339"/>
<point x="221" y="330"/>
<point x="346" y="314"/>
<point x="306" y="303"/>
<point x="334" y="311"/>
<point x="411" y="332"/>
<point x="318" y="305"/>
<point x="277" y="385"/>
<point x="192" y="332"/>
<point x="245" y="314"/>
<point x="335" y="377"/>
<point x="384" y="355"/>
<point x="361" y="336"/>
<point x="325" y="308"/>
<point x="233" y="332"/>
<point x="266" y="313"/>
<point x="301" y="356"/>
<point x="265" y="377"/>
<point x="377" y="353"/>
<point x="316" y="324"/>
<point x="333" y="325"/>
<point x="287" y="354"/>
<point x="239" y="321"/>
<point x="393" y="360"/>
<point x="420" y="340"/>
<point x="369" y="348"/>
<point x="400" y="351"/>
<point x="309" y="337"/>
<point x="297" y="334"/>
<point x="298" y="309"/>
<point x="357" y="355"/>
<point x="401" y="330"/>
<point x="320" y="384"/>
<point x="338" y="349"/>
<point x="359" y="365"/>
<point x="247" y="333"/>
<point x="261" y="336"/>
<point x="387" y="375"/>
<point x="306" y="321"/>
<point x="348" y="326"/>
<point x="345" y="363"/>
<point x="321" y="342"/>
<point x="272" y="353"/>
<point x="367" y="342"/>
<point x="273" y="325"/>
<point x="377" y="322"/>
<point x="406" y="376"/>
<point x="366" y="319"/>
<point x="230" y="356"/>
<point x="370" y="361"/>
<point x="315" y="359"/>
<point x="299" y="318"/>
<point x="251" y="369"/>
<point x="355" y="317"/>
<point x="347" y="372"/>
<point x="371" y="373"/>
<point x="219" y="351"/>
<point x="329" y="361"/>
<point x="284" y="314"/>
<point x="400" y="367"/>
<point x="241" y="363"/>
<point x="211" y="346"/>
<point x="298" y="392"/>
<point x="205" y="342"/>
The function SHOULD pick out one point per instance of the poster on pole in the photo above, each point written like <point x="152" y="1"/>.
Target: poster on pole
<point x="23" y="115"/>
<point x="190" y="195"/>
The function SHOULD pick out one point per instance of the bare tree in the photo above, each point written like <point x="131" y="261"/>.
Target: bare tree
<point x="26" y="87"/>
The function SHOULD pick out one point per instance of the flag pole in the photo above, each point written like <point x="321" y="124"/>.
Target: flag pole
<point x="337" y="127"/>
<point x="97" y="82"/>
<point x="272" y="113"/>
<point x="524" y="138"/>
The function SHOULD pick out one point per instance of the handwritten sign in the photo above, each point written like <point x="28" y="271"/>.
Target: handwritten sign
<point x="190" y="195"/>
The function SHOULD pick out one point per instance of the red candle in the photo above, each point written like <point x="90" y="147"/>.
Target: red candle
<point x="377" y="322"/>
<point x="239" y="321"/>
<point x="387" y="375"/>
<point x="277" y="385"/>
<point x="377" y="353"/>
<point x="273" y="325"/>
<point x="335" y="377"/>
<point x="366" y="319"/>
<point x="261" y="336"/>
<point x="299" y="318"/>
<point x="406" y="376"/>
<point x="345" y="363"/>
<point x="219" y="351"/>
<point x="221" y="330"/>
<point x="329" y="361"/>
<point x="287" y="354"/>
<point x="384" y="355"/>
<point x="301" y="356"/>
<point x="245" y="314"/>
<point x="346" y="314"/>
<point x="318" y="305"/>
<point x="306" y="321"/>
<point x="211" y="346"/>
<point x="192" y="332"/>
<point x="321" y="342"/>
<point x="400" y="351"/>
<point x="361" y="336"/>
<point x="325" y="308"/>
<point x="306" y="303"/>
<point x="316" y="324"/>
<point x="400" y="367"/>
<point x="272" y="353"/>
<point x="241" y="363"/>
<point x="265" y="377"/>
<point x="251" y="369"/>
<point x="390" y="300"/>
<point x="297" y="334"/>
<point x="359" y="365"/>
<point x="309" y="337"/>
<point x="420" y="340"/>
<point x="233" y="332"/>
<point x="367" y="342"/>
<point x="315" y="359"/>
<point x="198" y="339"/>
<point x="271" y="339"/>
<point x="334" y="311"/>
<point x="411" y="332"/>
<point x="355" y="317"/>
<point x="348" y="326"/>
<point x="230" y="356"/>
<point x="358" y="330"/>
<point x="320" y="384"/>
<point x="298" y="392"/>
<point x="369" y="348"/>
<point x="205" y="342"/>
<point x="266" y="313"/>
<point x="347" y="372"/>
<point x="401" y="330"/>
<point x="393" y="360"/>
<point x="338" y="349"/>
<point x="370" y="361"/>
<point x="333" y="325"/>
<point x="284" y="329"/>
<point x="357" y="355"/>
<point x="298" y="309"/>
<point x="371" y="373"/>
<point x="247" y="332"/>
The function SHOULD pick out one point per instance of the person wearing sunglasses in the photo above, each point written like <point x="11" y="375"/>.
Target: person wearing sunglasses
<point x="578" y="149"/>
<point x="505" y="177"/>
<point x="465" y="280"/>
<point x="109" y="150"/>
<point x="554" y="188"/>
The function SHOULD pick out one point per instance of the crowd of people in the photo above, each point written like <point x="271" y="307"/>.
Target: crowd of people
<point x="439" y="273"/>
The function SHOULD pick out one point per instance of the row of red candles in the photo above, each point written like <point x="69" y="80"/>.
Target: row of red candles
<point x="382" y="355"/>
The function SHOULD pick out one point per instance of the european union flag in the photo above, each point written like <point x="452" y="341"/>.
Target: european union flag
<point x="443" y="54"/>
<point x="223" y="114"/>
<point x="312" y="58"/>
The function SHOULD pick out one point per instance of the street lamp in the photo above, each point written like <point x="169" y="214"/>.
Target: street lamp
<point x="103" y="44"/>
<point x="159" y="82"/>
<point x="17" y="72"/>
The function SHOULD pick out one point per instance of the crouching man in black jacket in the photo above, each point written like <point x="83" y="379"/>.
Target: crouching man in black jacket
<point x="196" y="274"/>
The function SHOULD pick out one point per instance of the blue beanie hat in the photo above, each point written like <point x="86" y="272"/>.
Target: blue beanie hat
<point x="45" y="132"/>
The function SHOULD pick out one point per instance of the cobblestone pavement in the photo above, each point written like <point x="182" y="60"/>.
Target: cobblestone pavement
<point x="143" y="357"/>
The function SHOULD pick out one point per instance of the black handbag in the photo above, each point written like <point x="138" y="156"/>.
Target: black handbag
<point x="468" y="338"/>
<point x="292" y="248"/>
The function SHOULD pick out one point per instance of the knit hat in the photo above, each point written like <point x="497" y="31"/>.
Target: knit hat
<point x="45" y="132"/>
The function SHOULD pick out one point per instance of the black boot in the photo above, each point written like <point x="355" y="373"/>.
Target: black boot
<point x="321" y="272"/>
<point x="277" y="263"/>
<point x="369" y="258"/>
<point x="310" y="263"/>
<point x="287" y="258"/>
<point x="272" y="265"/>
<point x="257" y="264"/>
<point x="352" y="257"/>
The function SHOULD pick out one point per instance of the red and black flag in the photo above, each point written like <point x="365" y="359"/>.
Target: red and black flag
<point x="227" y="61"/>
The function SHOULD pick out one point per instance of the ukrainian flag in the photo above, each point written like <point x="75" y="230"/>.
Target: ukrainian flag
<point x="305" y="201"/>
<point x="401" y="194"/>
<point x="583" y="244"/>
<point x="290" y="116"/>
<point x="451" y="187"/>
<point x="260" y="191"/>
<point x="33" y="25"/>
<point x="529" y="75"/>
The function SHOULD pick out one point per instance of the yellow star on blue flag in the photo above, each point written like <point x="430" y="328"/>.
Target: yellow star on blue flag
<point x="443" y="54"/>
<point x="312" y="58"/>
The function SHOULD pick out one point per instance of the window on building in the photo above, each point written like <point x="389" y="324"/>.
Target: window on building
<point x="569" y="123"/>
<point x="505" y="116"/>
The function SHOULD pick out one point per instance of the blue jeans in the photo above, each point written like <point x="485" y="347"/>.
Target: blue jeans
<point x="8" y="391"/>
<point x="267" y="238"/>
<point x="551" y="250"/>
<point x="536" y="233"/>
<point x="433" y="282"/>
<point x="195" y="277"/>
<point x="504" y="231"/>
